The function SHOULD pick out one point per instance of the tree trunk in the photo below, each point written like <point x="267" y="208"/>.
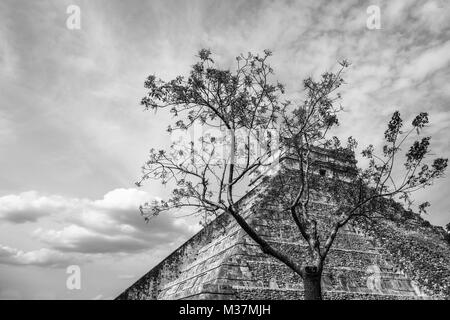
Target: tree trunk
<point x="312" y="283"/>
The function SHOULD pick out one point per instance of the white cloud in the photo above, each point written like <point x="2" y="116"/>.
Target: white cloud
<point x="428" y="62"/>
<point x="30" y="206"/>
<point x="122" y="199"/>
<point x="41" y="257"/>
<point x="108" y="225"/>
<point x="432" y="14"/>
<point x="74" y="238"/>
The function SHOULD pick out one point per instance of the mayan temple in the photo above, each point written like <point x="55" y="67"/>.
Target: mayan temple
<point x="397" y="259"/>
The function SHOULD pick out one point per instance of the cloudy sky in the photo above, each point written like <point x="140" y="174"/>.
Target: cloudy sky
<point x="73" y="136"/>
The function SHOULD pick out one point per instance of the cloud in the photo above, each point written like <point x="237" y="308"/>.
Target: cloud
<point x="432" y="15"/>
<point x="427" y="62"/>
<point x="108" y="225"/>
<point x="43" y="257"/>
<point x="29" y="206"/>
<point x="79" y="239"/>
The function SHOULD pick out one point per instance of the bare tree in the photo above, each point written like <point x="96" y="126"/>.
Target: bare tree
<point x="244" y="106"/>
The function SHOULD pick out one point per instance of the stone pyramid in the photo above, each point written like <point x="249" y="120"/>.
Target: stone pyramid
<point x="392" y="260"/>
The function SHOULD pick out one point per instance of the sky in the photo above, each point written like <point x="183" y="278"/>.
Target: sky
<point x="73" y="135"/>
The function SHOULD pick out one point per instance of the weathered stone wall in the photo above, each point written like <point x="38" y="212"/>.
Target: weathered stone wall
<point x="222" y="262"/>
<point x="389" y="260"/>
<point x="150" y="285"/>
<point x="419" y="250"/>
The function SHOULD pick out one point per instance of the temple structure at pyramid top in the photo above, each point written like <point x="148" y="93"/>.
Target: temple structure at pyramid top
<point x="398" y="259"/>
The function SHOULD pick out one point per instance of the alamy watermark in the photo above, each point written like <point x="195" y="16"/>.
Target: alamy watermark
<point x="73" y="281"/>
<point x="73" y="21"/>
<point x="374" y="17"/>
<point x="202" y="145"/>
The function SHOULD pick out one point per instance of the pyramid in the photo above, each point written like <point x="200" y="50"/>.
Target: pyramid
<point x="395" y="259"/>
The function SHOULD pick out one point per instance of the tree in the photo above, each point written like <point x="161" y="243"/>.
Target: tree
<point x="253" y="126"/>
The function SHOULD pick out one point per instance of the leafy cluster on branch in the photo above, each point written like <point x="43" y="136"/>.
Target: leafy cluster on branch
<point x="241" y="106"/>
<point x="417" y="174"/>
<point x="241" y="99"/>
